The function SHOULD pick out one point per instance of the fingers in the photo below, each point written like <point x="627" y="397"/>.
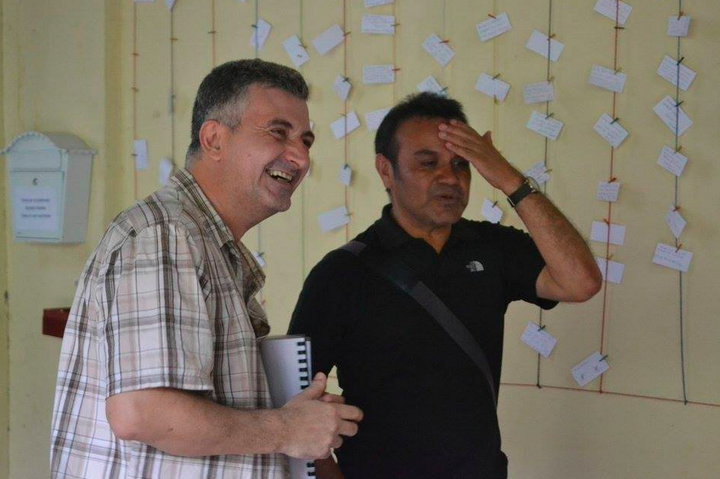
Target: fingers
<point x="459" y="129"/>
<point x="316" y="388"/>
<point x="332" y="398"/>
<point x="349" y="413"/>
<point x="348" y="428"/>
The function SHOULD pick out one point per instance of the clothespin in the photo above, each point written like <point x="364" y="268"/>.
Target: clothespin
<point x="619" y="69"/>
<point x="346" y="79"/>
<point x="678" y="149"/>
<point x="135" y="54"/>
<point x="618" y="27"/>
<point x="604" y="358"/>
<point x="492" y="16"/>
<point x="609" y="257"/>
<point x="613" y="179"/>
<point x="551" y="79"/>
<point x="173" y="39"/>
<point x="444" y="89"/>
<point x="346" y="34"/>
<point x="396" y="69"/>
<point x="548" y="171"/>
<point x="607" y="222"/>
<point x="679" y="103"/>
<point x="681" y="60"/>
<point x="680" y="14"/>
<point x="552" y="35"/>
<point x="678" y="247"/>
<point x="616" y="119"/>
<point x="542" y="327"/>
<point x="445" y="41"/>
<point x="549" y="116"/>
<point x="676" y="208"/>
<point x="496" y="76"/>
<point x="495" y="204"/>
<point x="135" y="89"/>
<point x="396" y="24"/>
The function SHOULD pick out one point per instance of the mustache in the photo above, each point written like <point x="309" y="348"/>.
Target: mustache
<point x="446" y="190"/>
<point x="282" y="165"/>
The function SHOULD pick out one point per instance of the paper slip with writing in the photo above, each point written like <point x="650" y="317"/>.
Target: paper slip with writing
<point x="491" y="211"/>
<point x="144" y="1"/>
<point x="140" y="151"/>
<point x="438" y="50"/>
<point x="345" y="125"/>
<point x="329" y="39"/>
<point x="297" y="53"/>
<point x="675" y="221"/>
<point x="608" y="191"/>
<point x="35" y="208"/>
<point x="170" y="4"/>
<point x="260" y="34"/>
<point x="374" y="118"/>
<point x="431" y="84"/>
<point x="538" y="339"/>
<point x="608" y="8"/>
<point x="590" y="368"/>
<point x="672" y="161"/>
<point x="678" y="27"/>
<point x="345" y="175"/>
<point x="165" y="169"/>
<point x="342" y="87"/>
<point x="539" y="92"/>
<point x="378" y="24"/>
<point x="612" y="271"/>
<point x="667" y="109"/>
<point x="668" y="69"/>
<point x="672" y="257"/>
<point x="539" y="172"/>
<point x="494" y="88"/>
<point x="538" y="43"/>
<point x="547" y="127"/>
<point x="333" y="219"/>
<point x="599" y="233"/>
<point x="377" y="3"/>
<point x="607" y="79"/>
<point x="611" y="131"/>
<point x="493" y="27"/>
<point x="376" y="74"/>
<point x="259" y="258"/>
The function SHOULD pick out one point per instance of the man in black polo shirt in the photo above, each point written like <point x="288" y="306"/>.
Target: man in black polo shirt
<point x="429" y="410"/>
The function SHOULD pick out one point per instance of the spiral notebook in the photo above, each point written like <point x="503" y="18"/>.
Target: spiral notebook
<point x="287" y="363"/>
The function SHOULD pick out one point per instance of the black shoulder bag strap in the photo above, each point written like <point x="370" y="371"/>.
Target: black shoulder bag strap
<point x="400" y="274"/>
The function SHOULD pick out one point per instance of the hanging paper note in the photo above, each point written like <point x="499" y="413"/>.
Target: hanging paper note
<point x="538" y="339"/>
<point x="539" y="92"/>
<point x="432" y="85"/>
<point x="378" y="74"/>
<point x="377" y="3"/>
<point x="378" y="24"/>
<point x="329" y="39"/>
<point x="333" y="219"/>
<point x="667" y="110"/>
<point x="538" y="43"/>
<point x="607" y="79"/>
<point x="609" y="9"/>
<point x="612" y="271"/>
<point x="538" y="172"/>
<point x="259" y="258"/>
<point x="668" y="69"/>
<point x="345" y="125"/>
<point x="260" y="34"/>
<point x="675" y="221"/>
<point x="608" y="191"/>
<point x="342" y="87"/>
<point x="544" y="125"/>
<point x="672" y="160"/>
<point x="590" y="368"/>
<point x="678" y="27"/>
<point x="672" y="257"/>
<point x="599" y="233"/>
<point x="610" y="130"/>
<point x="296" y="51"/>
<point x="165" y="170"/>
<point x="438" y="50"/>
<point x="374" y="118"/>
<point x="493" y="27"/>
<point x="140" y="152"/>
<point x="345" y="175"/>
<point x="491" y="211"/>
<point x="492" y="87"/>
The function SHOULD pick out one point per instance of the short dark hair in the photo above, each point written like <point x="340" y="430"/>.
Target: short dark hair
<point x="424" y="105"/>
<point x="224" y="89"/>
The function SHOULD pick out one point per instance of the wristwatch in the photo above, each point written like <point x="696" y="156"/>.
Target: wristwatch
<point x="529" y="187"/>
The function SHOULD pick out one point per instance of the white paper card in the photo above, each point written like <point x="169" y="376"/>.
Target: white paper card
<point x="259" y="258"/>
<point x="666" y="110"/>
<point x="612" y="271"/>
<point x="538" y="339"/>
<point x="378" y="74"/>
<point x="329" y="39"/>
<point x="140" y="151"/>
<point x="678" y="27"/>
<point x="378" y="24"/>
<point x="612" y="132"/>
<point x="342" y="87"/>
<point x="333" y="219"/>
<point x="297" y="53"/>
<point x="672" y="161"/>
<point x="609" y="9"/>
<point x="377" y="3"/>
<point x="538" y="43"/>
<point x="432" y="85"/>
<point x="441" y="52"/>
<point x="675" y="221"/>
<point x="374" y="118"/>
<point x="547" y="127"/>
<point x="260" y="34"/>
<point x="491" y="212"/>
<point x="590" y="368"/>
<point x="539" y="172"/>
<point x="608" y="79"/>
<point x="608" y="191"/>
<point x="494" y="88"/>
<point x="345" y="125"/>
<point x="165" y="170"/>
<point x="345" y="175"/>
<point x="144" y="1"/>
<point x="599" y="233"/>
<point x="539" y="92"/>
<point x="668" y="69"/>
<point x="35" y="208"/>
<point x="493" y="27"/>
<point x="170" y="4"/>
<point x="672" y="257"/>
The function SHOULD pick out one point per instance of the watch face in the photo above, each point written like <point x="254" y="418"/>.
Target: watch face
<point x="533" y="183"/>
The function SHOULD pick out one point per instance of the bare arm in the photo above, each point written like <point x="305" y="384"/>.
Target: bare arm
<point x="182" y="423"/>
<point x="571" y="273"/>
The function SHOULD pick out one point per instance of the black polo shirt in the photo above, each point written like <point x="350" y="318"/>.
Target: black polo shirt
<point x="428" y="410"/>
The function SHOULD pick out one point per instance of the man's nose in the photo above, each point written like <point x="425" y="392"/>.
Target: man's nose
<point x="449" y="175"/>
<point x="298" y="154"/>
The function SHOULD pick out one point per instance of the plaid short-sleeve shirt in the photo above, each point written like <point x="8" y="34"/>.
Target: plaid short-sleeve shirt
<point x="167" y="299"/>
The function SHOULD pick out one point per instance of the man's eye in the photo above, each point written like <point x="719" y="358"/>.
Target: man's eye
<point x="428" y="163"/>
<point x="279" y="133"/>
<point x="460" y="163"/>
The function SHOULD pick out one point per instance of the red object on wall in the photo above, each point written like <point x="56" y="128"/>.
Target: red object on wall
<point x="54" y="321"/>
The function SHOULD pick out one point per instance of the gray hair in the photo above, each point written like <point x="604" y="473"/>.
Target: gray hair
<point x="222" y="94"/>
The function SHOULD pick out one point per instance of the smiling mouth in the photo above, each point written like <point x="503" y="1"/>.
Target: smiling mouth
<point x="281" y="176"/>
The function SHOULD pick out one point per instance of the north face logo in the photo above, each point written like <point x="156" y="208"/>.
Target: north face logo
<point x="475" y="266"/>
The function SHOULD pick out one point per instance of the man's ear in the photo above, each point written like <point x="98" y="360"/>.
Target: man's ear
<point x="385" y="170"/>
<point x="211" y="139"/>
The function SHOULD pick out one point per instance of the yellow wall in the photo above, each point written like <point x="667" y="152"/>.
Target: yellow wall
<point x="4" y="363"/>
<point x="69" y="66"/>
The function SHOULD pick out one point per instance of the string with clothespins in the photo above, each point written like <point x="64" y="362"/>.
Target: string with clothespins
<point x="171" y="101"/>
<point x="212" y="32"/>
<point x="259" y="229"/>
<point x="303" y="185"/>
<point x="135" y="90"/>
<point x="345" y="116"/>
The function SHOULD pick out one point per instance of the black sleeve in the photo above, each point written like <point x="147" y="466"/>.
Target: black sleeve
<point x="522" y="264"/>
<point x="324" y="308"/>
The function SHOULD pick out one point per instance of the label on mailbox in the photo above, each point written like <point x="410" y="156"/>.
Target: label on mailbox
<point x="35" y="208"/>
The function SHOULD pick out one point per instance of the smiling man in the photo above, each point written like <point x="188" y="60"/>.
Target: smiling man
<point x="430" y="408"/>
<point x="160" y="374"/>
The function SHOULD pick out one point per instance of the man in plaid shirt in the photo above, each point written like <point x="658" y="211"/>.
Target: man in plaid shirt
<point x="160" y="374"/>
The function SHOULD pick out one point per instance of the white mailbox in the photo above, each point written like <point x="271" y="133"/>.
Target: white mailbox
<point x="49" y="177"/>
